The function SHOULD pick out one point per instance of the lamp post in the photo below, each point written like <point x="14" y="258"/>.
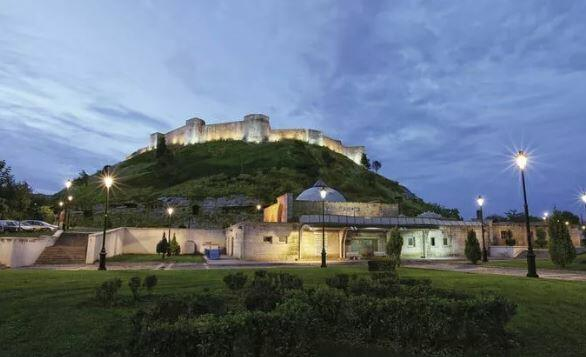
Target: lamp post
<point x="521" y="161"/>
<point x="259" y="209"/>
<point x="480" y="202"/>
<point x="170" y="213"/>
<point x="63" y="212"/>
<point x="108" y="181"/>
<point x="583" y="197"/>
<point x="68" y="184"/>
<point x="68" y="215"/>
<point x="323" y="193"/>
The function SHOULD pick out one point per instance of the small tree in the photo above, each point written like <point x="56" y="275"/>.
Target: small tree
<point x="150" y="282"/>
<point x="376" y="165"/>
<point x="540" y="241"/>
<point x="561" y="248"/>
<point x="134" y="285"/>
<point x="394" y="246"/>
<point x="161" y="147"/>
<point x="364" y="161"/>
<point x="472" y="249"/>
<point x="174" y="248"/>
<point x="163" y="246"/>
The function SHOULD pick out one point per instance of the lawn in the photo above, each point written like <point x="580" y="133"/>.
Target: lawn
<point x="578" y="264"/>
<point x="25" y="234"/>
<point x="51" y="313"/>
<point x="148" y="258"/>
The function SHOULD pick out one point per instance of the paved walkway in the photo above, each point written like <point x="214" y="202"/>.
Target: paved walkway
<point x="478" y="269"/>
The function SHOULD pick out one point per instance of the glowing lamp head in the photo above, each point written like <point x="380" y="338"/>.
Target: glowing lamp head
<point x="583" y="197"/>
<point x="258" y="207"/>
<point x="567" y="223"/>
<point x="480" y="201"/>
<point x="108" y="181"/>
<point x="70" y="198"/>
<point x="60" y="203"/>
<point x="170" y="211"/>
<point x="68" y="184"/>
<point x="545" y="216"/>
<point x="323" y="193"/>
<point x="521" y="160"/>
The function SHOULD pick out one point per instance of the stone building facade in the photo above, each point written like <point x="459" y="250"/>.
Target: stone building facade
<point x="254" y="128"/>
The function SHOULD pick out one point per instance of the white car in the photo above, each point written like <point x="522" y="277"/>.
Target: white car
<point x="23" y="227"/>
<point x="40" y="225"/>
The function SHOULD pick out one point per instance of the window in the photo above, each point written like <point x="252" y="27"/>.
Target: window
<point x="433" y="241"/>
<point x="411" y="241"/>
<point x="506" y="235"/>
<point x="268" y="239"/>
<point x="446" y="241"/>
<point x="283" y="239"/>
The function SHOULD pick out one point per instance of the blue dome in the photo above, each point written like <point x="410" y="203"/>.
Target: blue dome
<point x="312" y="193"/>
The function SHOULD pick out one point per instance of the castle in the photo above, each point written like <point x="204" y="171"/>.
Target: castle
<point x="254" y="128"/>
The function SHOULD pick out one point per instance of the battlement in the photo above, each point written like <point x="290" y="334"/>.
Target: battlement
<point x="254" y="128"/>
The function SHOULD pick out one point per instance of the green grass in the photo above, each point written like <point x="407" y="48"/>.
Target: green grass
<point x="579" y="264"/>
<point x="145" y="258"/>
<point x="51" y="313"/>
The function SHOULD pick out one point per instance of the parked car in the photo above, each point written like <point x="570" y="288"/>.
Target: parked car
<point x="9" y="226"/>
<point x="40" y="225"/>
<point x="24" y="227"/>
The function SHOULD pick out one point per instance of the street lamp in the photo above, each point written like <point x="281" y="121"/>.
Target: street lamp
<point x="108" y="181"/>
<point x="170" y="212"/>
<point x="545" y="216"/>
<point x="583" y="197"/>
<point x="259" y="210"/>
<point x="68" y="211"/>
<point x="68" y="185"/>
<point x="521" y="161"/>
<point x="480" y="202"/>
<point x="323" y="193"/>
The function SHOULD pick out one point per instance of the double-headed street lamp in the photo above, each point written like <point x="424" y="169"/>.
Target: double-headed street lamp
<point x="107" y="181"/>
<point x="480" y="202"/>
<point x="521" y="160"/>
<point x="323" y="193"/>
<point x="170" y="213"/>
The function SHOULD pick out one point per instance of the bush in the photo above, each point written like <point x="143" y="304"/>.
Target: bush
<point x="163" y="246"/>
<point x="267" y="289"/>
<point x="561" y="248"/>
<point x="174" y="248"/>
<point x="394" y="246"/>
<point x="338" y="281"/>
<point x="235" y="281"/>
<point x="472" y="249"/>
<point x="134" y="285"/>
<point x="107" y="292"/>
<point x="540" y="241"/>
<point x="510" y="242"/>
<point x="150" y="282"/>
<point x="382" y="265"/>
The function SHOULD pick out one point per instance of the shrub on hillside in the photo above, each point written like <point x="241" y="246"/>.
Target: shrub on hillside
<point x="472" y="248"/>
<point x="267" y="289"/>
<point x="107" y="292"/>
<point x="561" y="248"/>
<point x="382" y="265"/>
<point x="338" y="281"/>
<point x="235" y="281"/>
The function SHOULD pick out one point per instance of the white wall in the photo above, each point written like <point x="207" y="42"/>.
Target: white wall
<point x="18" y="252"/>
<point x="144" y="241"/>
<point x="501" y="251"/>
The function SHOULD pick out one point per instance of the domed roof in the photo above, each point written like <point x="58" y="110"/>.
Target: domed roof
<point x="312" y="193"/>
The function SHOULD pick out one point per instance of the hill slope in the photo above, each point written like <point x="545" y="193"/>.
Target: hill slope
<point x="259" y="171"/>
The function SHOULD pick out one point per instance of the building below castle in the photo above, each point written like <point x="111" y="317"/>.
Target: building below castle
<point x="254" y="128"/>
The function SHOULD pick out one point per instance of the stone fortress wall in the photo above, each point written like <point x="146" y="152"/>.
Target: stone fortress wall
<point x="253" y="128"/>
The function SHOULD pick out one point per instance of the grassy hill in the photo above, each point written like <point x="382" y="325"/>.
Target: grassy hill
<point x="259" y="171"/>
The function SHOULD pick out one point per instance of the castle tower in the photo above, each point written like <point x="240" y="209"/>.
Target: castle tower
<point x="194" y="131"/>
<point x="154" y="139"/>
<point x="256" y="128"/>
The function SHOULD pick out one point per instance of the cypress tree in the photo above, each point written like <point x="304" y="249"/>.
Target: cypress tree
<point x="561" y="248"/>
<point x="472" y="249"/>
<point x="161" y="147"/>
<point x="394" y="246"/>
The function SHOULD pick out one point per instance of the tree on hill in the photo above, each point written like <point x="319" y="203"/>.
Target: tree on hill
<point x="394" y="246"/>
<point x="162" y="150"/>
<point x="82" y="179"/>
<point x="566" y="216"/>
<point x="376" y="165"/>
<point x="364" y="161"/>
<point x="561" y="248"/>
<point x="472" y="249"/>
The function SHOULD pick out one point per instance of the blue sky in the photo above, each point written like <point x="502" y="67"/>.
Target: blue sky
<point x="440" y="92"/>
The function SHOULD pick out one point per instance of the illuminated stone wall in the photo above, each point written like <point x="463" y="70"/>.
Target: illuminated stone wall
<point x="253" y="128"/>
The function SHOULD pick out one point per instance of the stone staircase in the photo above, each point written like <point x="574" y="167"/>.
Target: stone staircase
<point x="70" y="248"/>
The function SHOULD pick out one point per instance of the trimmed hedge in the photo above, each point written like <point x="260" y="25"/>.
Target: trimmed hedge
<point x="380" y="312"/>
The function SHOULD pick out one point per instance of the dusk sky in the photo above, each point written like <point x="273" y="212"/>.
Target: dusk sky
<point x="441" y="93"/>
